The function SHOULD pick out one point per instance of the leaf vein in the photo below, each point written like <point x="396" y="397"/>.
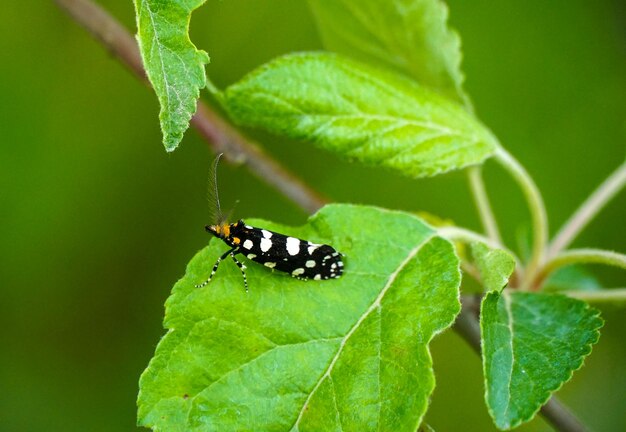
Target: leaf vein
<point x="376" y="304"/>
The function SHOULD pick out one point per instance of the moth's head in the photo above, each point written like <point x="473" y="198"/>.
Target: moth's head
<point x="220" y="231"/>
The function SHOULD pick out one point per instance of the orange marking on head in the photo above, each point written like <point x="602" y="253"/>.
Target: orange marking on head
<point x="236" y="240"/>
<point x="222" y="230"/>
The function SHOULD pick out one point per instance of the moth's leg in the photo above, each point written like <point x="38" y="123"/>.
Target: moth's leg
<point x="242" y="267"/>
<point x="217" y="263"/>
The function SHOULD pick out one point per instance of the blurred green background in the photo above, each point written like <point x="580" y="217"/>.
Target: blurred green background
<point x="98" y="222"/>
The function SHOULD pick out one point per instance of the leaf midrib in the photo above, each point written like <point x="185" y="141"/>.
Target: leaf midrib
<point x="251" y="360"/>
<point x="362" y="318"/>
<point x="156" y="42"/>
<point x="509" y="313"/>
<point x="364" y="116"/>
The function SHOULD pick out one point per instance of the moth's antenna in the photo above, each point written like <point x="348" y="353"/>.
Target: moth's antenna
<point x="214" y="200"/>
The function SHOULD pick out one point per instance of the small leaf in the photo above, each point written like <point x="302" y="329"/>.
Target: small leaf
<point x="495" y="266"/>
<point x="360" y="112"/>
<point x="173" y="64"/>
<point x="409" y="35"/>
<point x="532" y="343"/>
<point x="308" y="355"/>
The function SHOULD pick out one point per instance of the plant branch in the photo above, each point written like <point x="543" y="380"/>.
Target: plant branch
<point x="481" y="200"/>
<point x="588" y="210"/>
<point x="579" y="256"/>
<point x="221" y="136"/>
<point x="467" y="324"/>
<point x="468" y="327"/>
<point x="559" y="416"/>
<point x="537" y="212"/>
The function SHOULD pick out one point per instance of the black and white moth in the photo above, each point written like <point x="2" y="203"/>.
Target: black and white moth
<point x="300" y="258"/>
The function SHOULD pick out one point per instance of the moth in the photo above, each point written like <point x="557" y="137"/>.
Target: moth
<point x="299" y="258"/>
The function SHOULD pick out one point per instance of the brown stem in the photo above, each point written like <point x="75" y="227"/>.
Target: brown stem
<point x="220" y="135"/>
<point x="554" y="412"/>
<point x="559" y="416"/>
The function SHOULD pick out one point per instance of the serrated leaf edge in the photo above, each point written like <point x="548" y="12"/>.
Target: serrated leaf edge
<point x="588" y="348"/>
<point x="201" y="56"/>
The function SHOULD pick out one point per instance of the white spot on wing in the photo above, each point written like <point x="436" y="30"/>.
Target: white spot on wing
<point x="248" y="244"/>
<point x="266" y="244"/>
<point x="266" y="234"/>
<point x="317" y="277"/>
<point x="293" y="246"/>
<point x="310" y="263"/>
<point x="298" y="271"/>
<point x="251" y="256"/>
<point x="312" y="248"/>
<point x="270" y="264"/>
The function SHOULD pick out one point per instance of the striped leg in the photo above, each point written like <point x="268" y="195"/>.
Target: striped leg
<point x="242" y="267"/>
<point x="217" y="263"/>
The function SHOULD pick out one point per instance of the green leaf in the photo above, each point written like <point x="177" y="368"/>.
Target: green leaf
<point x="495" y="266"/>
<point x="409" y="35"/>
<point x="349" y="353"/>
<point x="363" y="113"/>
<point x="173" y="64"/>
<point x="532" y="343"/>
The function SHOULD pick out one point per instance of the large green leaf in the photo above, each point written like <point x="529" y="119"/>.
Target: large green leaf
<point x="350" y="353"/>
<point x="410" y="35"/>
<point x="495" y="266"/>
<point x="364" y="113"/>
<point x="532" y="343"/>
<point x="173" y="64"/>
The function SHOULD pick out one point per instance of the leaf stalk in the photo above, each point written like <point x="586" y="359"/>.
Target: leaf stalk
<point x="537" y="212"/>
<point x="579" y="256"/>
<point x="611" y="296"/>
<point x="588" y="210"/>
<point x="481" y="200"/>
